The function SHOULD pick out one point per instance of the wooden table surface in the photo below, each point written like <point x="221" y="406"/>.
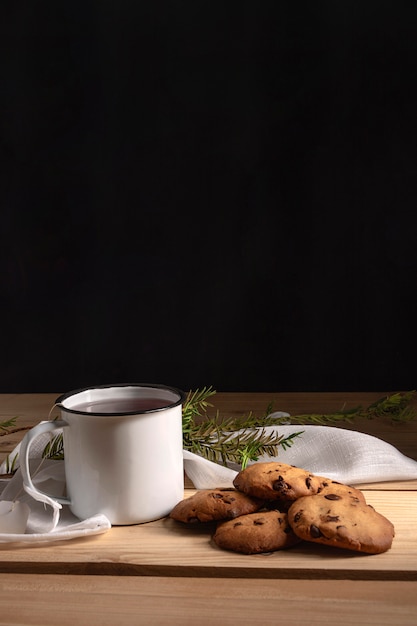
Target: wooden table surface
<point x="164" y="572"/>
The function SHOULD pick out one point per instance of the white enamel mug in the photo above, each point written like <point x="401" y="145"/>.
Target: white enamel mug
<point x="122" y="451"/>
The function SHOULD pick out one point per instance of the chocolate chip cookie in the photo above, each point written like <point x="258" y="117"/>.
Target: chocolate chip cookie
<point x="208" y="505"/>
<point x="329" y="486"/>
<point x="277" y="481"/>
<point x="264" y="531"/>
<point x="342" y="521"/>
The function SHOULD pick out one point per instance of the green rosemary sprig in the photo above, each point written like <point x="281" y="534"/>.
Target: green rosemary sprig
<point x="8" y="427"/>
<point x="230" y="440"/>
<point x="54" y="449"/>
<point x="7" y="424"/>
<point x="195" y="405"/>
<point x="212" y="442"/>
<point x="394" y="407"/>
<point x="11" y="464"/>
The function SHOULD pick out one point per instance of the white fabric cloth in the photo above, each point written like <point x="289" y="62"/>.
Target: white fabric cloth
<point x="344" y="455"/>
<point x="47" y="521"/>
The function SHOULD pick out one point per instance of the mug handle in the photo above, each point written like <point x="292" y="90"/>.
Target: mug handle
<point x="27" y="441"/>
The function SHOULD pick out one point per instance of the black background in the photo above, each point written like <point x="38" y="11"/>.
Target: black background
<point x="208" y="193"/>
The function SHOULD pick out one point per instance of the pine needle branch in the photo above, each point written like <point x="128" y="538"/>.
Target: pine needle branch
<point x="229" y="440"/>
<point x="6" y="425"/>
<point x="54" y="449"/>
<point x="394" y="407"/>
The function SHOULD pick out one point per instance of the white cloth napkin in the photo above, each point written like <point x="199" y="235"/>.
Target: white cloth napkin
<point x="344" y="455"/>
<point x="47" y="520"/>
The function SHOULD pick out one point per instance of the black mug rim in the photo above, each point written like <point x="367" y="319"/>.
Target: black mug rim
<point x="181" y="398"/>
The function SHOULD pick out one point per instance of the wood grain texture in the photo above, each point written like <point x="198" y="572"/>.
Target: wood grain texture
<point x="107" y="600"/>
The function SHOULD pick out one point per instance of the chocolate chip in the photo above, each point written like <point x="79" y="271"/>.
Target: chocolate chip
<point x="332" y="518"/>
<point x="332" y="496"/>
<point x="308" y="482"/>
<point x="237" y="524"/>
<point x="315" y="532"/>
<point x="258" y="522"/>
<point x="280" y="484"/>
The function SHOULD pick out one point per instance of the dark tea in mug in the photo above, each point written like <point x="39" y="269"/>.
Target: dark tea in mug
<point x="120" y="399"/>
<point x="120" y="405"/>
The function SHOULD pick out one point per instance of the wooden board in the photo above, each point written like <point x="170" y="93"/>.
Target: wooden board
<point x="108" y="600"/>
<point x="168" y="548"/>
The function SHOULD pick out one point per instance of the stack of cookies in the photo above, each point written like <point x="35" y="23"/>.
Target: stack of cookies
<point x="275" y="506"/>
